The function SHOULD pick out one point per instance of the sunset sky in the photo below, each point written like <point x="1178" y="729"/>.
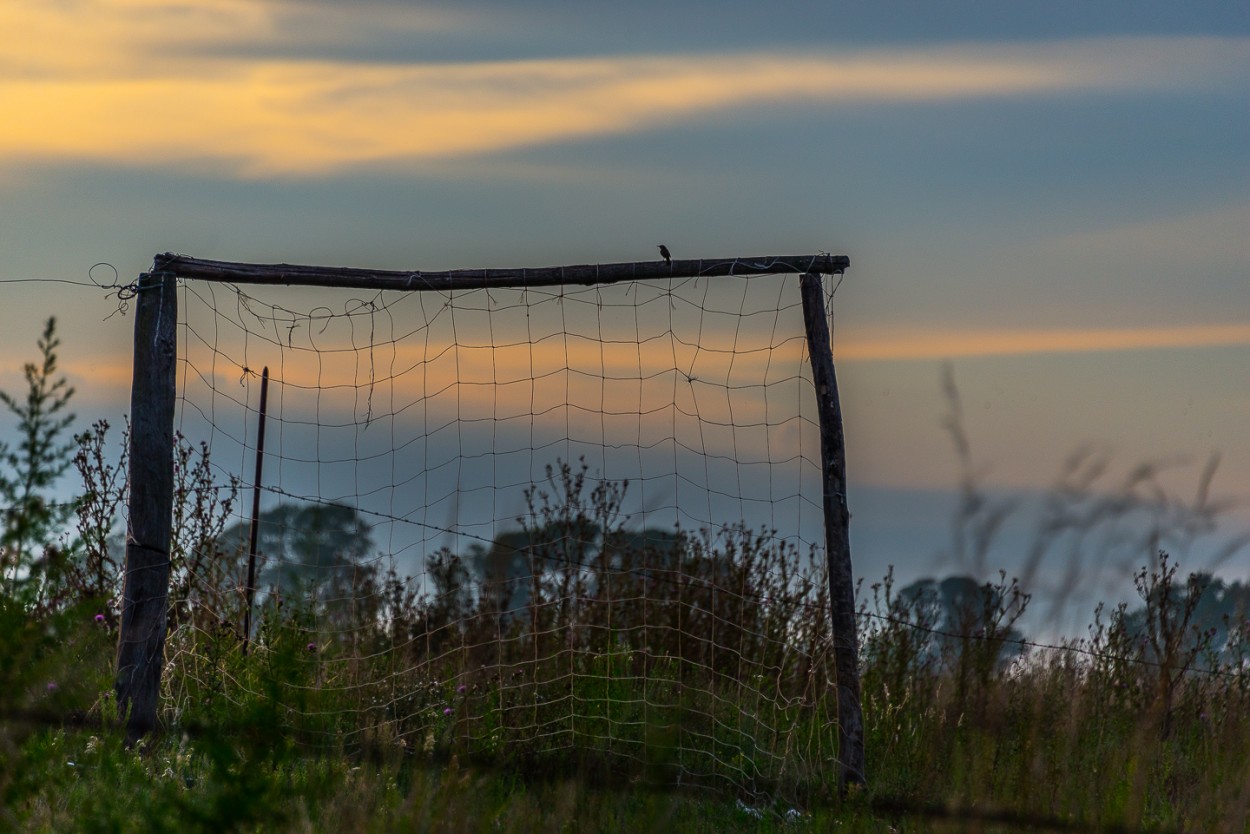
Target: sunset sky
<point x="1052" y="197"/>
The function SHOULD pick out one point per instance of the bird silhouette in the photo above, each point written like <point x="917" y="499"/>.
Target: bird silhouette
<point x="665" y="254"/>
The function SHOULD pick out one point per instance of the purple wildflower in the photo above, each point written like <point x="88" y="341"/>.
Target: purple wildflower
<point x="460" y="689"/>
<point x="447" y="711"/>
<point x="99" y="618"/>
<point x="312" y="647"/>
<point x="52" y="687"/>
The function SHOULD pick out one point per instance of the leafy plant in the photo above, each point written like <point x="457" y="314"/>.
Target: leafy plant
<point x="29" y="559"/>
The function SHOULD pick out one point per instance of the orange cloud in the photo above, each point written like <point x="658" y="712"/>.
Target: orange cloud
<point x="143" y="82"/>
<point x="111" y="39"/>
<point x="651" y="369"/>
<point x="939" y="344"/>
<point x="618" y="377"/>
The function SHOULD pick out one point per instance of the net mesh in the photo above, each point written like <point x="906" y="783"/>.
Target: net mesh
<point x="572" y="528"/>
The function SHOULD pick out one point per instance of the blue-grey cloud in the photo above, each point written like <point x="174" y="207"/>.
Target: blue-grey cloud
<point x="263" y="118"/>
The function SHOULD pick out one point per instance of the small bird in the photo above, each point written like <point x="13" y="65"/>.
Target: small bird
<point x="665" y="254"/>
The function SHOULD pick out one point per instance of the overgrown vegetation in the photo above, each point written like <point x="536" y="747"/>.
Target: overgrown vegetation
<point x="575" y="674"/>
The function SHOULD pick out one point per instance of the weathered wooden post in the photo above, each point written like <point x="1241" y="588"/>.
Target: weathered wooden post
<point x="145" y="588"/>
<point x="837" y="534"/>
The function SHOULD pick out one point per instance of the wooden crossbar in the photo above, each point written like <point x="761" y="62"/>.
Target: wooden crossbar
<point x="457" y="279"/>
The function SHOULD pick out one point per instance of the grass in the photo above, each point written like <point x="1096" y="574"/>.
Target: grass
<point x="1072" y="739"/>
<point x="671" y="682"/>
<point x="614" y="701"/>
<point x="164" y="793"/>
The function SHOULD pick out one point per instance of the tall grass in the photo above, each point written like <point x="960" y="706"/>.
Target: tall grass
<point x="606" y="681"/>
<point x="400" y="719"/>
<point x="1099" y="734"/>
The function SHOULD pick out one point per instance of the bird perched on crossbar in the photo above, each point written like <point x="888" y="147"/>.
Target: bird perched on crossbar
<point x="665" y="254"/>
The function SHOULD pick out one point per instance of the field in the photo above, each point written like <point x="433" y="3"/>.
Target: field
<point x="1097" y="735"/>
<point x="616" y="681"/>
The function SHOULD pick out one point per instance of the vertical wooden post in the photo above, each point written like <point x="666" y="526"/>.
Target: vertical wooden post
<point x="837" y="534"/>
<point x="145" y="588"/>
<point x="255" y="532"/>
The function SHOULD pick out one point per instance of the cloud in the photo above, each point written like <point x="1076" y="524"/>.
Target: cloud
<point x="492" y="367"/>
<point x="1179" y="244"/>
<point x="108" y="40"/>
<point x="159" y="82"/>
<point x="943" y="344"/>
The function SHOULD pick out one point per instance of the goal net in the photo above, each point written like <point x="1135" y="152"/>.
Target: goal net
<point x="568" y="528"/>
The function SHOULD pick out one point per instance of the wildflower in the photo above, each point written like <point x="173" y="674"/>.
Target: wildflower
<point x="52" y="687"/>
<point x="99" y="618"/>
<point x="312" y="647"/>
<point x="460" y="689"/>
<point x="447" y="711"/>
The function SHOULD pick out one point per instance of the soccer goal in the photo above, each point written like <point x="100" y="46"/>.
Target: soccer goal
<point x="587" y="518"/>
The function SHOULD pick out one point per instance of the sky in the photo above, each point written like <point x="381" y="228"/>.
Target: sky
<point x="1046" y="202"/>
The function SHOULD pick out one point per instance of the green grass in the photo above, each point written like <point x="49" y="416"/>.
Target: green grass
<point x="112" y="790"/>
<point x="623" y="704"/>
<point x="1065" y="738"/>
